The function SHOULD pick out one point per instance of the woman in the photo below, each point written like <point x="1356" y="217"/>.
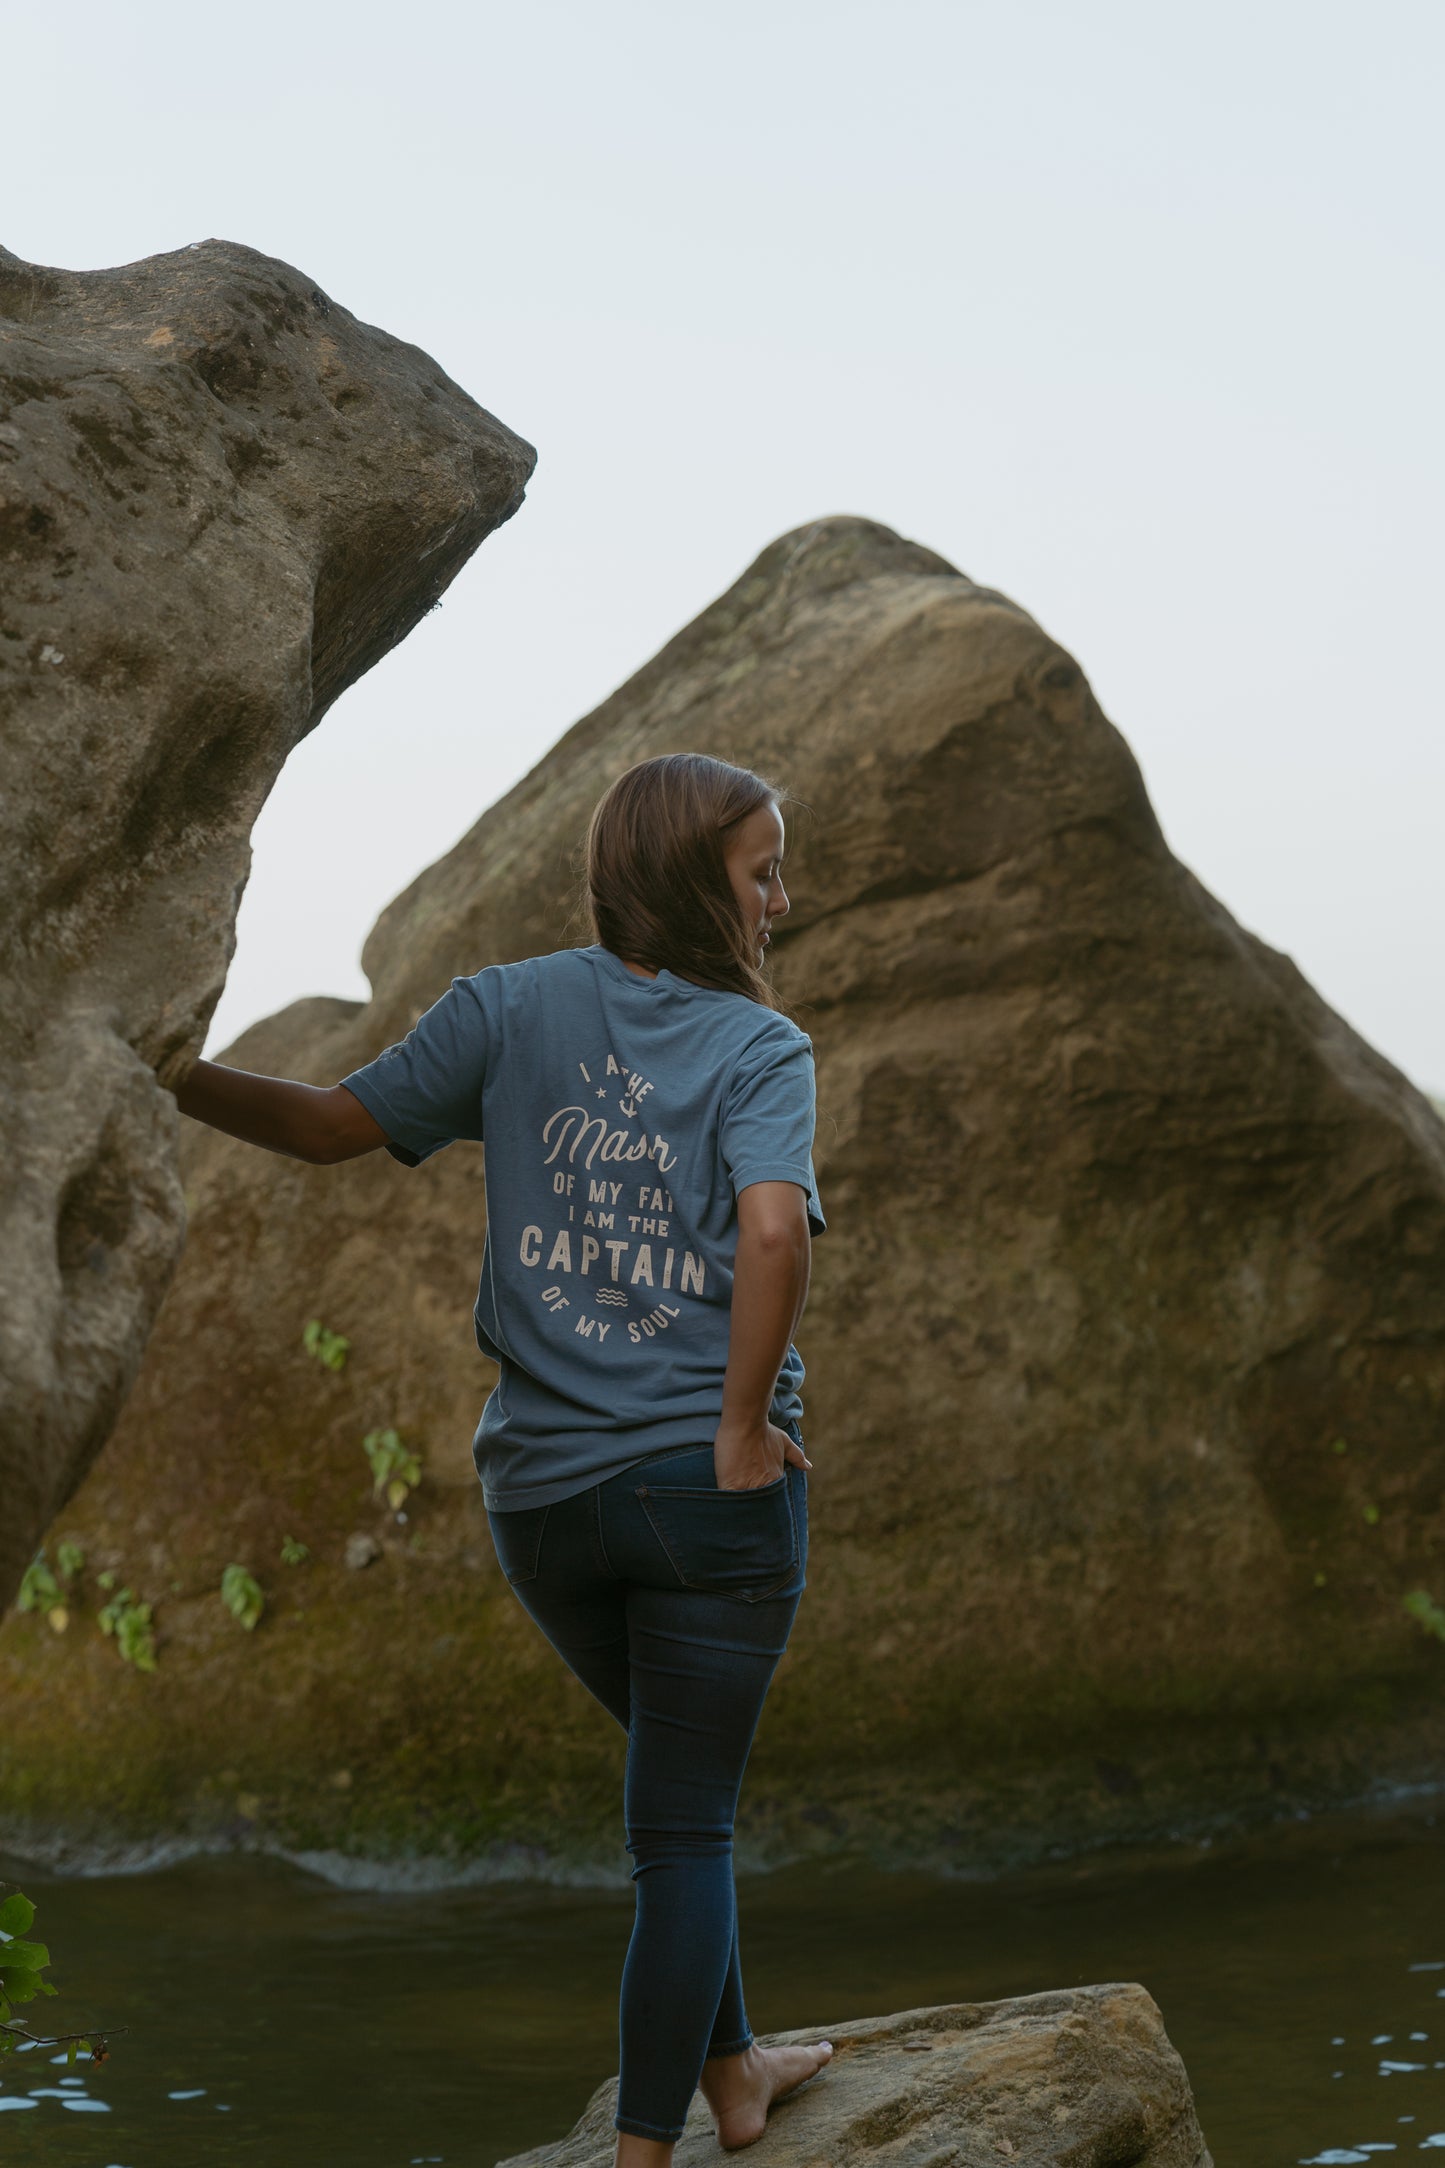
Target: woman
<point x="647" y="1113"/>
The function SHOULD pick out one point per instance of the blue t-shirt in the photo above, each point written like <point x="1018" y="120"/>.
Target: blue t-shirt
<point x="619" y="1117"/>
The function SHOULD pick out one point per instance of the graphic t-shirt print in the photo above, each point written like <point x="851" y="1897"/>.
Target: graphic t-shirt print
<point x="611" y="1253"/>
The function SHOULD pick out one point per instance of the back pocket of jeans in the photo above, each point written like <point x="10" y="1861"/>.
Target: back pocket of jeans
<point x="517" y="1540"/>
<point x="741" y="1543"/>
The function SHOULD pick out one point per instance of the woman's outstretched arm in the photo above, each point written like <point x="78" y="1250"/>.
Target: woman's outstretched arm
<point x="319" y="1123"/>
<point x="770" y="1286"/>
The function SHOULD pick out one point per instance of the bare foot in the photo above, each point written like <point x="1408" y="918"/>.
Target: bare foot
<point x="740" y="2089"/>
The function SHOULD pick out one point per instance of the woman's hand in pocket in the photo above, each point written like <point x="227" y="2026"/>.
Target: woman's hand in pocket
<point x="746" y="1458"/>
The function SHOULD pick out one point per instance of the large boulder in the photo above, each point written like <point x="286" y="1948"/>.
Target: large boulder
<point x="1079" y="2078"/>
<point x="1126" y="1350"/>
<point x="221" y="500"/>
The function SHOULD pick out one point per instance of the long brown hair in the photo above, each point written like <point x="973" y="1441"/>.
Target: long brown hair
<point x="657" y="885"/>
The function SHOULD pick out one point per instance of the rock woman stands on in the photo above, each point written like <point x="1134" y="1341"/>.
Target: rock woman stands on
<point x="647" y="1117"/>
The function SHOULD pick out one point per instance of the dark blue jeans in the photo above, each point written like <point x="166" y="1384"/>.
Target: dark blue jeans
<point x="672" y="1601"/>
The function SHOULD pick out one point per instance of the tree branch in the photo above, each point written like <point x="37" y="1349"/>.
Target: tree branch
<point x="96" y="2038"/>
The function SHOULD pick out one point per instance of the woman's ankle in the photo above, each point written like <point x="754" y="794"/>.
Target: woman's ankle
<point x="730" y="2050"/>
<point x="635" y="2152"/>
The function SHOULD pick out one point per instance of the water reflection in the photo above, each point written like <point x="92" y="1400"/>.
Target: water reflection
<point x="275" y="2017"/>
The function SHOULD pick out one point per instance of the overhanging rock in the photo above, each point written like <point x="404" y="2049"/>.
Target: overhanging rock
<point x="221" y="500"/>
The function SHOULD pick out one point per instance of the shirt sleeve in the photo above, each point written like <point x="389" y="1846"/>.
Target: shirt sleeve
<point x="426" y="1091"/>
<point x="768" y="1119"/>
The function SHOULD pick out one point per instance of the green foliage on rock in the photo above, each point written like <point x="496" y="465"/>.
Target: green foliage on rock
<point x="243" y="1596"/>
<point x="44" y="1589"/>
<point x="294" y="1553"/>
<point x="39" y="1589"/>
<point x="395" y="1469"/>
<point x="330" y="1348"/>
<point x="1426" y="1612"/>
<point x="128" y="1622"/>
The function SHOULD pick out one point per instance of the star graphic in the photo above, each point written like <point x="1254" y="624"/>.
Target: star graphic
<point x="602" y="1091"/>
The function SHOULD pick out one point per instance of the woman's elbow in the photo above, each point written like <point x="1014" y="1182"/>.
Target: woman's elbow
<point x="322" y="1151"/>
<point x="779" y="1238"/>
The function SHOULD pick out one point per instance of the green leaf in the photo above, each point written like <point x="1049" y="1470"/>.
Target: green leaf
<point x="16" y="1914"/>
<point x="109" y="1578"/>
<point x="109" y="1617"/>
<point x="1427" y="1613"/>
<point x="69" y="1558"/>
<point x="395" y="1469"/>
<point x="30" y="1956"/>
<point x="130" y="1623"/>
<point x="39" y="1589"/>
<point x="330" y="1348"/>
<point x="134" y="1638"/>
<point x="243" y="1596"/>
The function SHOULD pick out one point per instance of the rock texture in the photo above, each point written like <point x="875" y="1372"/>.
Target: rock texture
<point x="1078" y="2079"/>
<point x="221" y="500"/>
<point x="1126" y="1349"/>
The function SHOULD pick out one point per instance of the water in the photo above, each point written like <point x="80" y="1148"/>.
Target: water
<point x="275" y="2018"/>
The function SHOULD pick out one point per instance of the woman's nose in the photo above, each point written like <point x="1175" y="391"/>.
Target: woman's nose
<point x="778" y="904"/>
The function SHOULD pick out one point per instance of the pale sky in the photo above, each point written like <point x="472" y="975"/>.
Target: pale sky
<point x="1132" y="311"/>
